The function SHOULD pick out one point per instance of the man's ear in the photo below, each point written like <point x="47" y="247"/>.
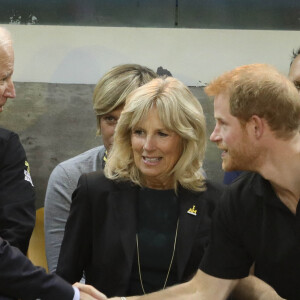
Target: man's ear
<point x="257" y="126"/>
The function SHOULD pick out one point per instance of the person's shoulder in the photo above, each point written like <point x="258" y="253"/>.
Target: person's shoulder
<point x="210" y="195"/>
<point x="68" y="172"/>
<point x="10" y="145"/>
<point x="245" y="182"/>
<point x="213" y="192"/>
<point x="84" y="162"/>
<point x="6" y="135"/>
<point x="214" y="186"/>
<point x="98" y="180"/>
<point x="96" y="176"/>
<point x="97" y="183"/>
<point x="87" y="155"/>
<point x="242" y="195"/>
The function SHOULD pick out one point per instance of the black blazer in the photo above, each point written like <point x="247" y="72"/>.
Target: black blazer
<point x="100" y="233"/>
<point x="17" y="197"/>
<point x="19" y="278"/>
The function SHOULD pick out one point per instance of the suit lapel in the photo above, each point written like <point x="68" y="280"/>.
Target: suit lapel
<point x="125" y="203"/>
<point x="188" y="225"/>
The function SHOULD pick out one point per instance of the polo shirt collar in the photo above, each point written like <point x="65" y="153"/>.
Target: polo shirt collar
<point x="264" y="189"/>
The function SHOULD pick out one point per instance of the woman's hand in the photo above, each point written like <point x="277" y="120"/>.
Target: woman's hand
<point x="88" y="292"/>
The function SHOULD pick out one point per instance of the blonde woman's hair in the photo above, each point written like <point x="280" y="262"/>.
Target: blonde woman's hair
<point x="180" y="112"/>
<point x="113" y="88"/>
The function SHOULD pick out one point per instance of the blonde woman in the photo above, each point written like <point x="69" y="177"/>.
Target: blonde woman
<point x="108" y="101"/>
<point x="143" y="224"/>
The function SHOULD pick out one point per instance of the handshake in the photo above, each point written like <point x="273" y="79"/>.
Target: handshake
<point x="88" y="292"/>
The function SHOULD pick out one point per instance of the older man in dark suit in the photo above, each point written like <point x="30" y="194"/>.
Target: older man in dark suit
<point x="19" y="278"/>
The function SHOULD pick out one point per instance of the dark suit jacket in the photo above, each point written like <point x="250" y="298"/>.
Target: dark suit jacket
<point x="19" y="278"/>
<point x="100" y="233"/>
<point x="17" y="197"/>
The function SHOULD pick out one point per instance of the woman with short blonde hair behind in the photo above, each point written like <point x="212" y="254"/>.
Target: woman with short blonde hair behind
<point x="108" y="101"/>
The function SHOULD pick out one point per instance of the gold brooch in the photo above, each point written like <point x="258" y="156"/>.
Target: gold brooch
<point x="192" y="211"/>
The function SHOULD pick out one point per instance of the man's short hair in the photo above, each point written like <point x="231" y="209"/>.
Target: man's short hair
<point x="5" y="43"/>
<point x="294" y="55"/>
<point x="112" y="89"/>
<point x="5" y="37"/>
<point x="259" y="89"/>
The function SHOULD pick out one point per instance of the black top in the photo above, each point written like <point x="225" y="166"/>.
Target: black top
<point x="100" y="234"/>
<point x="17" y="198"/>
<point x="253" y="225"/>
<point x="157" y="220"/>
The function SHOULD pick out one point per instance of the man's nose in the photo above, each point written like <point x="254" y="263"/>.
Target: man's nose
<point x="10" y="91"/>
<point x="215" y="137"/>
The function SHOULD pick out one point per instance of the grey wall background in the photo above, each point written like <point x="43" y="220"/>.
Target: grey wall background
<point x="56" y="122"/>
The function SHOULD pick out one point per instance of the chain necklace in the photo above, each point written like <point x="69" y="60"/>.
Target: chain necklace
<point x="138" y="257"/>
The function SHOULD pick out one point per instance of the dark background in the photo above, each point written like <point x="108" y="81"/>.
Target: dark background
<point x="224" y="14"/>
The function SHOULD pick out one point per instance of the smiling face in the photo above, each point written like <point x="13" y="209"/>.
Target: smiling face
<point x="7" y="89"/>
<point x="156" y="151"/>
<point x="231" y="137"/>
<point x="294" y="73"/>
<point x="108" y="124"/>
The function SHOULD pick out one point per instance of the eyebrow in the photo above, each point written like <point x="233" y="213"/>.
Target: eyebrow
<point x="6" y="75"/>
<point x="220" y="120"/>
<point x="217" y="118"/>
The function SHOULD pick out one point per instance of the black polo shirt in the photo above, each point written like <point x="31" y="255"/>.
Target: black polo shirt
<point x="252" y="225"/>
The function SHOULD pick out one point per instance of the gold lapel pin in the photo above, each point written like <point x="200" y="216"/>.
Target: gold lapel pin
<point x="192" y="211"/>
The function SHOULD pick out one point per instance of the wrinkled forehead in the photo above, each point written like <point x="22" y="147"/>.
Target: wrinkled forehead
<point x="6" y="68"/>
<point x="6" y="54"/>
<point x="5" y="43"/>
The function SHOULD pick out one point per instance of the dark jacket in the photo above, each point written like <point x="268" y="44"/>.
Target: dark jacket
<point x="17" y="197"/>
<point x="100" y="233"/>
<point x="19" y="278"/>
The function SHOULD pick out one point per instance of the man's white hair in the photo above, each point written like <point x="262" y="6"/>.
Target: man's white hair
<point x="5" y="37"/>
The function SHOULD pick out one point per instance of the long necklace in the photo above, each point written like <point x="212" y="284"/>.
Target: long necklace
<point x="139" y="265"/>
